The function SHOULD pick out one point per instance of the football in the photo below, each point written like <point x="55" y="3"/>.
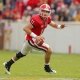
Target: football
<point x="40" y="43"/>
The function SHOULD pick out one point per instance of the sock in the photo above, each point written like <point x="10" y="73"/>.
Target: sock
<point x="47" y="64"/>
<point x="10" y="62"/>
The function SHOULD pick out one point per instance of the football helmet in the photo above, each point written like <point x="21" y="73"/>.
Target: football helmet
<point x="45" y="10"/>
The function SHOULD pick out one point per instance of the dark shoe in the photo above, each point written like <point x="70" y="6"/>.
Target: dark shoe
<point x="48" y="69"/>
<point x="7" y="68"/>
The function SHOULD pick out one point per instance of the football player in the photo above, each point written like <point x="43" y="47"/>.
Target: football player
<point x="34" y="38"/>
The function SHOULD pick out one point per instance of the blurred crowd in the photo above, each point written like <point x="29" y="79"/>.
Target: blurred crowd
<point x="62" y="10"/>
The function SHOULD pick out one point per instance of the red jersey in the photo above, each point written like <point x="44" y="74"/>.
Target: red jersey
<point x="38" y="24"/>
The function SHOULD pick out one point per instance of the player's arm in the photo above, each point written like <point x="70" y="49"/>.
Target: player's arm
<point x="54" y="25"/>
<point x="28" y="30"/>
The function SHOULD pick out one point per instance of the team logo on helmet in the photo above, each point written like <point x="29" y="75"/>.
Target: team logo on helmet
<point x="45" y="7"/>
<point x="45" y="10"/>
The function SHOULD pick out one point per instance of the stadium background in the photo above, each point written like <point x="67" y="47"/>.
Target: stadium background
<point x="18" y="13"/>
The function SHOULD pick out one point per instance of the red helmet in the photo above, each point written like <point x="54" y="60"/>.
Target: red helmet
<point x="45" y="7"/>
<point x="45" y="10"/>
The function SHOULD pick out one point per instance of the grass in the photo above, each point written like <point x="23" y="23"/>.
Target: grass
<point x="31" y="67"/>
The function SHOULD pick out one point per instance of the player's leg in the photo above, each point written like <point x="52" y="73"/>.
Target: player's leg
<point x="25" y="49"/>
<point x="48" y="56"/>
<point x="11" y="61"/>
<point x="47" y="61"/>
<point x="44" y="47"/>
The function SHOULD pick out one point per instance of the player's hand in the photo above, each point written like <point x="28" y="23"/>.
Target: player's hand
<point x="62" y="26"/>
<point x="39" y="40"/>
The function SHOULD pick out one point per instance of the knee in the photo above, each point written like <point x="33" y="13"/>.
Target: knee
<point x="49" y="51"/>
<point x="19" y="55"/>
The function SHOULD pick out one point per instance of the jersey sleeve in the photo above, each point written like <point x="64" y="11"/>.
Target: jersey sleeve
<point x="49" y="20"/>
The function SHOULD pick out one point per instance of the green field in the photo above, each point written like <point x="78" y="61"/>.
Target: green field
<point x="31" y="67"/>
